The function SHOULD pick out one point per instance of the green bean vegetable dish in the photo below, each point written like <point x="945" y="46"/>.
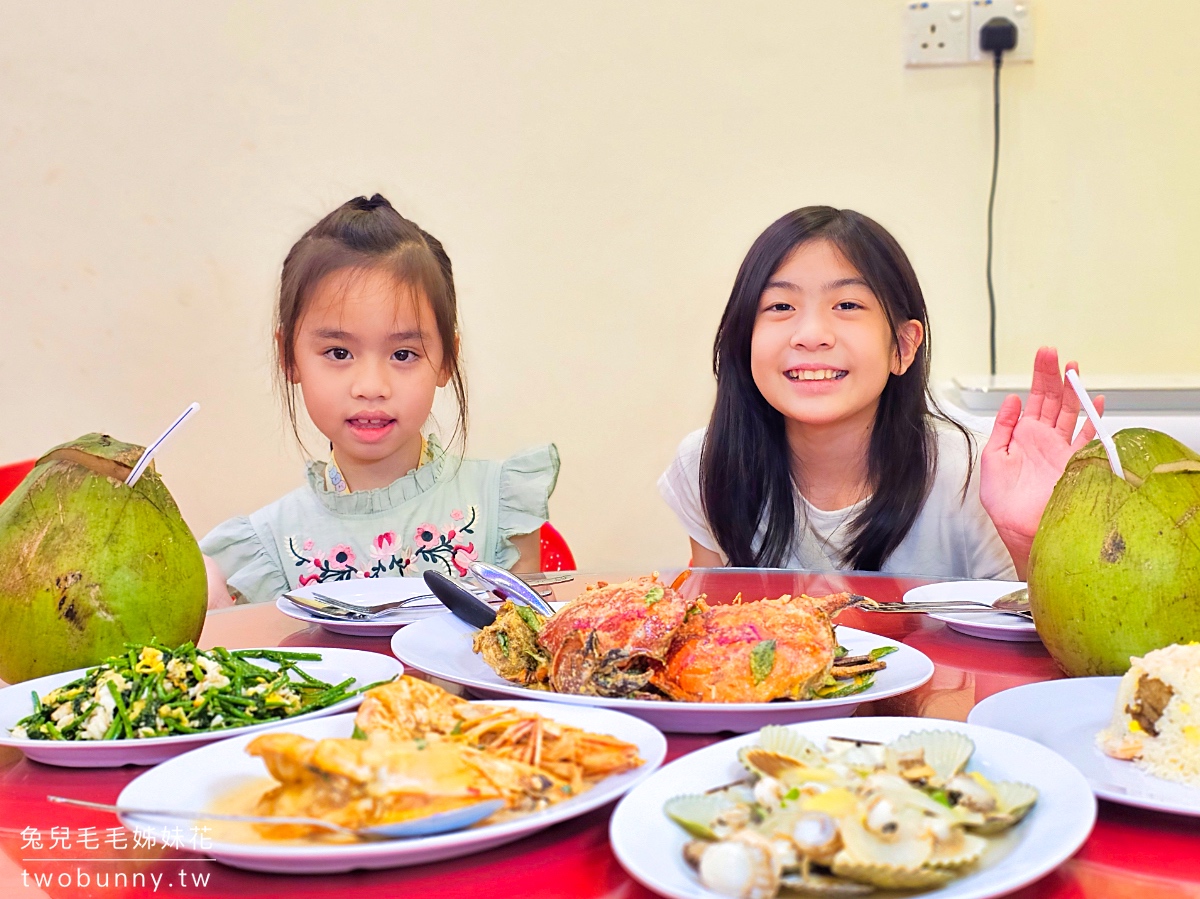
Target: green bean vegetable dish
<point x="155" y="691"/>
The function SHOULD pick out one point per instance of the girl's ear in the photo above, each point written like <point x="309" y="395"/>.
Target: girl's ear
<point x="292" y="377"/>
<point x="909" y="337"/>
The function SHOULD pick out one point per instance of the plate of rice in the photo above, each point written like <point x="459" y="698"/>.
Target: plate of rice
<point x="1136" y="738"/>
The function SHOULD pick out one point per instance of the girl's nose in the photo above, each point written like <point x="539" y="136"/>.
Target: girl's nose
<point x="371" y="381"/>
<point x="812" y="330"/>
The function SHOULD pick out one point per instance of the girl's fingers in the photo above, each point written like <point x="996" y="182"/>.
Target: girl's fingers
<point x="1088" y="432"/>
<point x="1054" y="386"/>
<point x="1006" y="420"/>
<point x="1068" y="413"/>
<point x="1045" y="376"/>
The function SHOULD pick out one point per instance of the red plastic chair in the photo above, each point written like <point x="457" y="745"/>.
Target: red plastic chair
<point x="556" y="555"/>
<point x="12" y="475"/>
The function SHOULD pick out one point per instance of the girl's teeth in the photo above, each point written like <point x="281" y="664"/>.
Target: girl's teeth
<point x="825" y="374"/>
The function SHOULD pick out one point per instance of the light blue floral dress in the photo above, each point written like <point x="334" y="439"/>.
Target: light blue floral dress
<point x="440" y="516"/>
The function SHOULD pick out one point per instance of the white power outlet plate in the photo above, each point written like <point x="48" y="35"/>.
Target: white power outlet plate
<point x="1016" y="11"/>
<point x="937" y="33"/>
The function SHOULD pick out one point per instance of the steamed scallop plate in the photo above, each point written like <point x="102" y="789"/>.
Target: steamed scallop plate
<point x="641" y="639"/>
<point x="847" y="819"/>
<point x="418" y="750"/>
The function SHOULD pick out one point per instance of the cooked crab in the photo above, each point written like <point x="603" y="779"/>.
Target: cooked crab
<point x="608" y="640"/>
<point x="753" y="651"/>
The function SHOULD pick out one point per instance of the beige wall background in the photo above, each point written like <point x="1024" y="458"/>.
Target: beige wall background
<point x="596" y="170"/>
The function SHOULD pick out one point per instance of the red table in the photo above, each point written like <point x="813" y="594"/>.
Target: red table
<point x="1131" y="853"/>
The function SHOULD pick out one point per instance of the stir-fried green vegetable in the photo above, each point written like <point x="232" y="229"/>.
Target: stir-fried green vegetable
<point x="155" y="691"/>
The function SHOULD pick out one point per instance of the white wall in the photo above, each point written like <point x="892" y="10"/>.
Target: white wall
<point x="596" y="171"/>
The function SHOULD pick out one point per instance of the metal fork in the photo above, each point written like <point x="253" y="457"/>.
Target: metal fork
<point x="870" y="605"/>
<point x="379" y="608"/>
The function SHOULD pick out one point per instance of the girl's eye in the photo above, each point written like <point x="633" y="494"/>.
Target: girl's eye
<point x="848" y="304"/>
<point x="341" y="354"/>
<point x="779" y="307"/>
<point x="404" y="355"/>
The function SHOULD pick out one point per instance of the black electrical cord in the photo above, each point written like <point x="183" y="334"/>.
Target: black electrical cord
<point x="992" y="206"/>
<point x="996" y="36"/>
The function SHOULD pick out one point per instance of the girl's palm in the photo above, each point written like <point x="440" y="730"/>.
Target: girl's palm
<point x="1027" y="453"/>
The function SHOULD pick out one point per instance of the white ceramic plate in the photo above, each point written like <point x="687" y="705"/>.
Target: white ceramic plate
<point x="366" y="592"/>
<point x="196" y="780"/>
<point x="1070" y="712"/>
<point x="977" y="624"/>
<point x="442" y="647"/>
<point x="16" y="703"/>
<point x="649" y="845"/>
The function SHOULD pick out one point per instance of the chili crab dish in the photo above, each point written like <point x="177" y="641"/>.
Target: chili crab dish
<point x="641" y="639"/>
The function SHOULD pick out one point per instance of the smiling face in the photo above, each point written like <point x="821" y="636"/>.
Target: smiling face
<point x="821" y="350"/>
<point x="369" y="361"/>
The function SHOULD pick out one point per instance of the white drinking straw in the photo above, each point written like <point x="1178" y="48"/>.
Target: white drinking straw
<point x="154" y="447"/>
<point x="1101" y="429"/>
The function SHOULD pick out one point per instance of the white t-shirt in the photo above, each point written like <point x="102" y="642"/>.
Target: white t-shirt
<point x="951" y="536"/>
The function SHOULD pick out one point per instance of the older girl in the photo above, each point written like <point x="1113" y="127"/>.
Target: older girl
<point x="824" y="449"/>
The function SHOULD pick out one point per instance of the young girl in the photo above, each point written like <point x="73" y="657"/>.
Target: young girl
<point x="824" y="450"/>
<point x="367" y="327"/>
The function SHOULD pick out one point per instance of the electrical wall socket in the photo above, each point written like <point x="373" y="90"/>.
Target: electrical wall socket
<point x="937" y="33"/>
<point x="1018" y="12"/>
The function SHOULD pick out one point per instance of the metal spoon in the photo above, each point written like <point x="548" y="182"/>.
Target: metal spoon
<point x="507" y="585"/>
<point x="1017" y="601"/>
<point x="439" y="822"/>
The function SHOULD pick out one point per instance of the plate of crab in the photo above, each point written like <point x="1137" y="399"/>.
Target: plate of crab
<point x="642" y="647"/>
<point x="855" y="807"/>
<point x="357" y="791"/>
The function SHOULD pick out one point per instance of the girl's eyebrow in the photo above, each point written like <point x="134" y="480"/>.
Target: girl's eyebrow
<point x="398" y="337"/>
<point x="832" y="285"/>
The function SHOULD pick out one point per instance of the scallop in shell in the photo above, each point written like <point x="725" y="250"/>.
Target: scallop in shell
<point x="946" y="751"/>
<point x="743" y="865"/>
<point x="905" y="848"/>
<point x="1013" y="801"/>
<point x="957" y="854"/>
<point x="846" y="865"/>
<point x="699" y="814"/>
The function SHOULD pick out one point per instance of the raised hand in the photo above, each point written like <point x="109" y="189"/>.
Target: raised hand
<point x="1027" y="453"/>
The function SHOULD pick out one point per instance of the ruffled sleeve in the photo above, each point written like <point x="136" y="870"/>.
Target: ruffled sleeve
<point x="250" y="566"/>
<point x="526" y="482"/>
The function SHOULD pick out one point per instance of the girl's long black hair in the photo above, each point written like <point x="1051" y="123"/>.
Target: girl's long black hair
<point x="746" y="478"/>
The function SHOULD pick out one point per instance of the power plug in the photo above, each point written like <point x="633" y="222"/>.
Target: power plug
<point x="1018" y="12"/>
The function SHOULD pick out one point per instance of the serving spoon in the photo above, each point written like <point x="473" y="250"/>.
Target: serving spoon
<point x="438" y="822"/>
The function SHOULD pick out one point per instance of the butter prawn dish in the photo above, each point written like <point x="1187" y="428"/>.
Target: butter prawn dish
<point x="413" y="751"/>
<point x="682" y="664"/>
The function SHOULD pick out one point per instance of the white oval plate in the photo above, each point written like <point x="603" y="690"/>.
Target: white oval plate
<point x="16" y="703"/>
<point x="367" y="591"/>
<point x="649" y="845"/>
<point x="977" y="624"/>
<point x="441" y="647"/>
<point x="196" y="780"/>
<point x="1070" y="712"/>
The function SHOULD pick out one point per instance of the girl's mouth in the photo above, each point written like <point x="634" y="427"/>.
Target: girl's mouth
<point x="370" y="429"/>
<point x="817" y="374"/>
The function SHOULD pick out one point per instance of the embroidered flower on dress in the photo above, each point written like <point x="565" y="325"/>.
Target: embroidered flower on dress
<point x="427" y="536"/>
<point x="436" y="548"/>
<point x="384" y="546"/>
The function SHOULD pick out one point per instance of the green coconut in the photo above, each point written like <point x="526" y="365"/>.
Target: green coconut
<point x="88" y="564"/>
<point x="1115" y="567"/>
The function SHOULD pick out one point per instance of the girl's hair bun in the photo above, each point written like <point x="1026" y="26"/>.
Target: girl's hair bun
<point x="377" y="201"/>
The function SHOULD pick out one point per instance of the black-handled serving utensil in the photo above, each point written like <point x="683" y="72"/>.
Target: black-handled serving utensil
<point x="465" y="605"/>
